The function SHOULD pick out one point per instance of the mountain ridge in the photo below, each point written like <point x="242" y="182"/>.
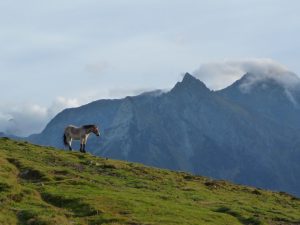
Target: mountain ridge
<point x="223" y="134"/>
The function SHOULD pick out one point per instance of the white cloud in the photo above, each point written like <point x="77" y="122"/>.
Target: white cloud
<point x="218" y="75"/>
<point x="31" y="118"/>
<point x="61" y="103"/>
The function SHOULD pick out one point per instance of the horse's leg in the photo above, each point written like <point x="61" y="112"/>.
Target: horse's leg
<point x="84" y="143"/>
<point x="81" y="144"/>
<point x="70" y="144"/>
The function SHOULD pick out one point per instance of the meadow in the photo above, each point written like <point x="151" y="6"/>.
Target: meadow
<point x="43" y="185"/>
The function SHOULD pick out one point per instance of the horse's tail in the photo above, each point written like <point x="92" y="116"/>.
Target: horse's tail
<point x="65" y="140"/>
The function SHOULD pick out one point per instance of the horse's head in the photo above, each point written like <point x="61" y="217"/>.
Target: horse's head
<point x="96" y="131"/>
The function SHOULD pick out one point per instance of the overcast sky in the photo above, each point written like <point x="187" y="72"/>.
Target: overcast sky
<point x="64" y="53"/>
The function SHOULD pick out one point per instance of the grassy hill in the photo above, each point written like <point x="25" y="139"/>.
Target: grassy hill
<point x="43" y="185"/>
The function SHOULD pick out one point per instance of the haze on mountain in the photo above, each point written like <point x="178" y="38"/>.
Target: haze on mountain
<point x="247" y="133"/>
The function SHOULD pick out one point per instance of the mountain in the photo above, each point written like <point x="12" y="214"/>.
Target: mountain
<point x="42" y="185"/>
<point x="268" y="97"/>
<point x="229" y="134"/>
<point x="2" y="134"/>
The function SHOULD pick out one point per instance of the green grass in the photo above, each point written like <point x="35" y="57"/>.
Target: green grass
<point x="42" y="185"/>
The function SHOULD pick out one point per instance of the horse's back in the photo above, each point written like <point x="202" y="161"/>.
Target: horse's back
<point x="70" y="128"/>
<point x="73" y="131"/>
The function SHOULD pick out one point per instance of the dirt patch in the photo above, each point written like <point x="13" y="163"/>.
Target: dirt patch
<point x="32" y="175"/>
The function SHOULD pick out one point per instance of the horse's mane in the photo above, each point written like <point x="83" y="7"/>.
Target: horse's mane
<point x="88" y="126"/>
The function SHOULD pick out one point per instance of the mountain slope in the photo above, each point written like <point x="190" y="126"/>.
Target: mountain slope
<point x="193" y="129"/>
<point x="267" y="97"/>
<point x="42" y="185"/>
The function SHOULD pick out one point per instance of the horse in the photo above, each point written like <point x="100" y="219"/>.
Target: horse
<point x="79" y="133"/>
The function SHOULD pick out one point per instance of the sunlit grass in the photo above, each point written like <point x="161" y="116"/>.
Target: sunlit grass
<point x="42" y="185"/>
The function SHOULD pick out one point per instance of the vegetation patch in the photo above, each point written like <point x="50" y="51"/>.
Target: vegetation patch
<point x="15" y="162"/>
<point x="76" y="205"/>
<point x="4" y="187"/>
<point x="32" y="217"/>
<point x="256" y="192"/>
<point x="242" y="219"/>
<point x="213" y="184"/>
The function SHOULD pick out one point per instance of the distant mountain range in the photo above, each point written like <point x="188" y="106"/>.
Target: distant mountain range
<point x="2" y="134"/>
<point x="248" y="133"/>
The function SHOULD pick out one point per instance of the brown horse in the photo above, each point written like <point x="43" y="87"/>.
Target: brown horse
<point x="79" y="133"/>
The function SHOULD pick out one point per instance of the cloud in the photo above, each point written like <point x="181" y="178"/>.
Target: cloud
<point x="218" y="75"/>
<point x="122" y="92"/>
<point x="61" y="103"/>
<point x="31" y="118"/>
<point x="26" y="119"/>
<point x="22" y="120"/>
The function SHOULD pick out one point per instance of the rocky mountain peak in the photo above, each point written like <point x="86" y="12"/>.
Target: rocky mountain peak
<point x="190" y="83"/>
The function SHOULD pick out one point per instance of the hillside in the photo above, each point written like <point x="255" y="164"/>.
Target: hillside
<point x="250" y="138"/>
<point x="43" y="185"/>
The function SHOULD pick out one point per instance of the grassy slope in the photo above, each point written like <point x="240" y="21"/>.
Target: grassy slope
<point x="41" y="185"/>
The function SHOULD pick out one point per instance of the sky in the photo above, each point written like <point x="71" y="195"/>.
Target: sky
<point x="65" y="53"/>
